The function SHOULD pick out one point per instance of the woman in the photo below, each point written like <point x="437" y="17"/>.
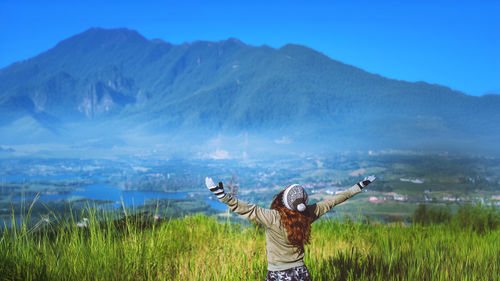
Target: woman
<point x="287" y="224"/>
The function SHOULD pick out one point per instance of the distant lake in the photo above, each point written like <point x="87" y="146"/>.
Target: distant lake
<point x="22" y="178"/>
<point x="130" y="198"/>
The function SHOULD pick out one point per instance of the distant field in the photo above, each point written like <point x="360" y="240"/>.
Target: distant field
<point x="359" y="207"/>
<point x="404" y="181"/>
<point x="202" y="248"/>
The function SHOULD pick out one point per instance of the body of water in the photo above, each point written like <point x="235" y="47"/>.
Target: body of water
<point x="130" y="198"/>
<point x="23" y="178"/>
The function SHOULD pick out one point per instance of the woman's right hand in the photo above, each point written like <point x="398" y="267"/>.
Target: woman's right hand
<point x="217" y="190"/>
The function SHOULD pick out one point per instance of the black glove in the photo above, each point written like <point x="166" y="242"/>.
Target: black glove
<point x="366" y="181"/>
<point x="217" y="190"/>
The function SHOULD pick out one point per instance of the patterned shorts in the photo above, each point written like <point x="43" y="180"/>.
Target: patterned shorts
<point x="299" y="273"/>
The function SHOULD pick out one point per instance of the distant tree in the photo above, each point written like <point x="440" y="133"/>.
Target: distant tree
<point x="420" y="214"/>
<point x="478" y="217"/>
<point x="425" y="216"/>
<point x="233" y="185"/>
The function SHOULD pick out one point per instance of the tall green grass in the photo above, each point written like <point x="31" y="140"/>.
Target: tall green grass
<point x="199" y="247"/>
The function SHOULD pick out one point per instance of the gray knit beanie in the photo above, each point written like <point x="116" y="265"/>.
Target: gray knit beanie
<point x="295" y="198"/>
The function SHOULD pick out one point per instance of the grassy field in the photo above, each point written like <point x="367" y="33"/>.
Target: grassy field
<point x="199" y="247"/>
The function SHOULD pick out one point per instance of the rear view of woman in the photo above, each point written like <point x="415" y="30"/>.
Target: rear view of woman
<point x="287" y="224"/>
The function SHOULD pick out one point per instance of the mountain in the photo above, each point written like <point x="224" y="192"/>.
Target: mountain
<point x="110" y="81"/>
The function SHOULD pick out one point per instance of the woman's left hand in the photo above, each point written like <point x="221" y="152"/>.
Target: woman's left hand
<point x="366" y="181"/>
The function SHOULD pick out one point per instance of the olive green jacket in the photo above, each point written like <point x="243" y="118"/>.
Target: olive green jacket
<point x="281" y="255"/>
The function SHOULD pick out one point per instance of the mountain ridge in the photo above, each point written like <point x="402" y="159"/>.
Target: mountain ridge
<point x="108" y="75"/>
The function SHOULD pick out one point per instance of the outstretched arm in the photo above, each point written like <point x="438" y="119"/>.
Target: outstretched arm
<point x="323" y="207"/>
<point x="251" y="211"/>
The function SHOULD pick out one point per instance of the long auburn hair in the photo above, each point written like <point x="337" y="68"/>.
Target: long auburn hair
<point x="297" y="224"/>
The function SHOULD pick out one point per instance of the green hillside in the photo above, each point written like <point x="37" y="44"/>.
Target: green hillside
<point x="202" y="248"/>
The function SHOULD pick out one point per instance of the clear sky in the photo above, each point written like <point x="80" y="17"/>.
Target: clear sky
<point x="452" y="43"/>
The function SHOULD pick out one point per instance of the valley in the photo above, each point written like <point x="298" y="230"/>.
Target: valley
<point x="404" y="180"/>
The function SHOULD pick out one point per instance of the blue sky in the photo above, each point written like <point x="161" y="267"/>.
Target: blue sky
<point x="452" y="43"/>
